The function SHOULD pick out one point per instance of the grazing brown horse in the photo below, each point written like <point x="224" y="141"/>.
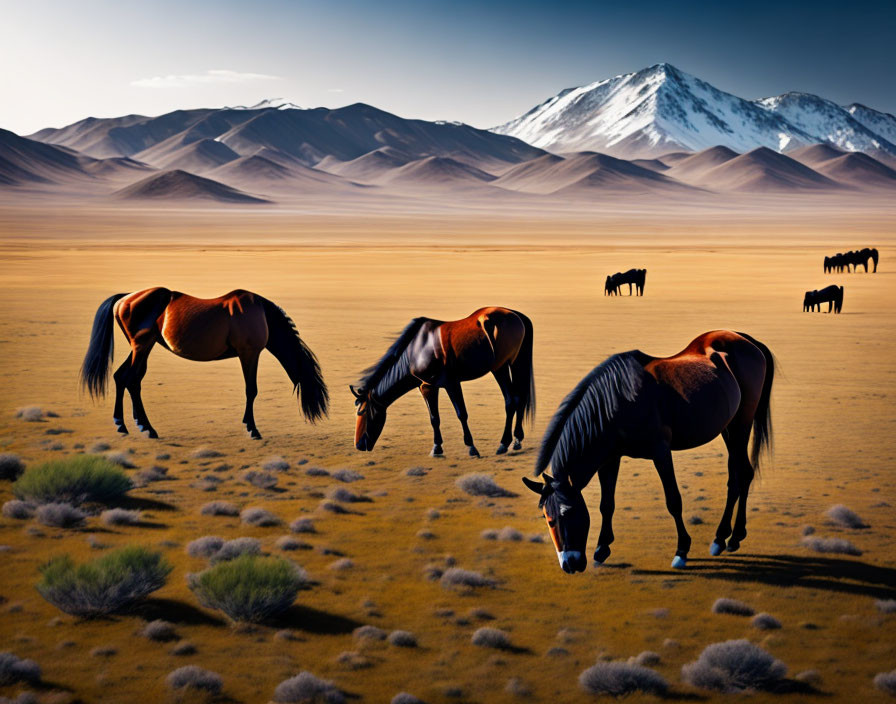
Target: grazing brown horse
<point x="635" y="405"/>
<point x="238" y="324"/>
<point x="431" y="354"/>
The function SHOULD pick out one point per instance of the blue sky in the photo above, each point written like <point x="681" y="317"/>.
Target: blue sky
<point x="482" y="63"/>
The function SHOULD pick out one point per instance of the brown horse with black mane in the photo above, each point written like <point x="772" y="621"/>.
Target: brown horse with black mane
<point x="431" y="354"/>
<point x="238" y="324"/>
<point x="635" y="405"/>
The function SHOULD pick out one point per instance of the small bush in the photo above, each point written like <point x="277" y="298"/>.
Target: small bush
<point x="695" y="520"/>
<point x="11" y="467"/>
<point x="122" y="459"/>
<point x="184" y="648"/>
<point x="456" y="577"/>
<point x="403" y="639"/>
<point x="232" y="549"/>
<point x="14" y="669"/>
<point x="517" y="687"/>
<point x="204" y="453"/>
<point x="262" y="480"/>
<point x="405" y="698"/>
<point x="733" y="607"/>
<point x="510" y="534"/>
<point x="317" y="472"/>
<point x="341" y="564"/>
<point x="347" y="475"/>
<point x="30" y="414"/>
<point x="369" y="633"/>
<point x="886" y="682"/>
<point x="838" y="546"/>
<point x="416" y="472"/>
<point x="886" y="606"/>
<point x="159" y="630"/>
<point x="120" y="517"/>
<point x="646" y="659"/>
<point x="108" y="584"/>
<point x="192" y="677"/>
<point x="302" y="525"/>
<point x="60" y="515"/>
<point x="287" y="542"/>
<point x="482" y="485"/>
<point x="340" y="493"/>
<point x="207" y="546"/>
<point x="276" y="464"/>
<point x="249" y="588"/>
<point x="259" y="517"/>
<point x="734" y="666"/>
<point x="845" y="517"/>
<point x="74" y="480"/>
<point x="491" y="638"/>
<point x="219" y="508"/>
<point x="619" y="678"/>
<point x="153" y="474"/>
<point x="305" y="688"/>
<point x="19" y="510"/>
<point x="765" y="622"/>
<point x="808" y="530"/>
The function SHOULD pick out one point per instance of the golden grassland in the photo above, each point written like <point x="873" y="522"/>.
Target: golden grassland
<point x="350" y="283"/>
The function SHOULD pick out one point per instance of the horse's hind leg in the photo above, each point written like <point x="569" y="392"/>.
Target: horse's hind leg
<point x="121" y="378"/>
<point x="249" y="363"/>
<point x="740" y="475"/>
<point x="431" y="398"/>
<point x="142" y="346"/>
<point x="502" y="376"/>
<point x="663" y="463"/>
<point x="457" y="399"/>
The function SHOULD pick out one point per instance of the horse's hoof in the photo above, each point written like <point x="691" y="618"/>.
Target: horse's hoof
<point x="601" y="554"/>
<point x="120" y="426"/>
<point x="473" y="451"/>
<point x="716" y="547"/>
<point x="679" y="562"/>
<point x="437" y="451"/>
<point x="153" y="435"/>
<point x="502" y="449"/>
<point x="517" y="445"/>
<point x="254" y="434"/>
<point x="733" y="546"/>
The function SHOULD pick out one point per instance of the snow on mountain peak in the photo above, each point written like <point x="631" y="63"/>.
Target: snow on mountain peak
<point x="268" y="103"/>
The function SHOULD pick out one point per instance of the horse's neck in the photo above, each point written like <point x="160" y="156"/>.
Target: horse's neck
<point x="395" y="386"/>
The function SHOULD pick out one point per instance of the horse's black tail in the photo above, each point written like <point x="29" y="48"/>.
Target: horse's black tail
<point x="298" y="360"/>
<point x="762" y="420"/>
<point x="95" y="369"/>
<point x="524" y="368"/>
<point x="874" y="256"/>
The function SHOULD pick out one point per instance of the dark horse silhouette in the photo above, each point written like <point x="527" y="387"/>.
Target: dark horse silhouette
<point x="832" y="295"/>
<point x="632" y="276"/>
<point x="635" y="405"/>
<point x="840" y="261"/>
<point x="431" y="354"/>
<point x="238" y="324"/>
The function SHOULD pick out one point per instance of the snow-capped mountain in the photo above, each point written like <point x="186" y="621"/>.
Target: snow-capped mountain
<point x="277" y="103"/>
<point x="881" y="123"/>
<point x="662" y="109"/>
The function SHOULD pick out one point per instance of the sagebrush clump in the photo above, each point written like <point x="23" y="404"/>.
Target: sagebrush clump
<point x="59" y="515"/>
<point x="305" y="688"/>
<point x="249" y="588"/>
<point x="11" y="466"/>
<point x="106" y="585"/>
<point x="482" y="485"/>
<point x="15" y="669"/>
<point x="192" y="677"/>
<point x="620" y="678"/>
<point x="74" y="480"/>
<point x="734" y="666"/>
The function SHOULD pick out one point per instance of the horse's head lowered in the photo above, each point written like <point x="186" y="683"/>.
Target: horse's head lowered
<point x="568" y="520"/>
<point x="371" y="419"/>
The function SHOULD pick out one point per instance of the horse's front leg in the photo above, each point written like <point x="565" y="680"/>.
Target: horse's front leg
<point x="457" y="399"/>
<point x="502" y="376"/>
<point x="249" y="363"/>
<point x="431" y="398"/>
<point x="663" y="463"/>
<point x="607" y="476"/>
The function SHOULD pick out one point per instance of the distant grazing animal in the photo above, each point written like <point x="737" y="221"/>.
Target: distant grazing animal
<point x="431" y="354"/>
<point x="635" y="405"/>
<point x="840" y="261"/>
<point x="238" y="324"/>
<point x="832" y="295"/>
<point x="632" y="276"/>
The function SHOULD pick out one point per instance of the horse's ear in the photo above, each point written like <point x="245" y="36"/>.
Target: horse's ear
<point x="354" y="391"/>
<point x="537" y="487"/>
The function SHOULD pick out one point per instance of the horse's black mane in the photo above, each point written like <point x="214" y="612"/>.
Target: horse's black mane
<point x="589" y="409"/>
<point x="394" y="364"/>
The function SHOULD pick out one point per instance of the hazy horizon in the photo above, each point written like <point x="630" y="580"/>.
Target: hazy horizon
<point x="479" y="65"/>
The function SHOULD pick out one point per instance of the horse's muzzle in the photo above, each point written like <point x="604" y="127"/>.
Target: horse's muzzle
<point x="572" y="561"/>
<point x="364" y="444"/>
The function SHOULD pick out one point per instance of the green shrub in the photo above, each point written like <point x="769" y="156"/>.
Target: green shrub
<point x="250" y="587"/>
<point x="73" y="480"/>
<point x="103" y="586"/>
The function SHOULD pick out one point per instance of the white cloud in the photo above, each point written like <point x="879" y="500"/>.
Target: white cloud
<point x="335" y="90"/>
<point x="209" y="77"/>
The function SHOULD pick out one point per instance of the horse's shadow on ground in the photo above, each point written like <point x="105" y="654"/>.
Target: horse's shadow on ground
<point x="304" y="618"/>
<point x="826" y="573"/>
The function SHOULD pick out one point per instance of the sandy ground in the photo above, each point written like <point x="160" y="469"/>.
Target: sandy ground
<point x="350" y="284"/>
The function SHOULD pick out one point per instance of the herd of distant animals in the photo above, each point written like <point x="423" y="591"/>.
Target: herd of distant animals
<point x="840" y="262"/>
<point x="631" y="405"/>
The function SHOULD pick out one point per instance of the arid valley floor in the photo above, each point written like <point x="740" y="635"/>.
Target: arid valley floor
<point x="351" y="282"/>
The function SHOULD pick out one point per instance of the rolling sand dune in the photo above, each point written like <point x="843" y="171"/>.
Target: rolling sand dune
<point x="815" y="154"/>
<point x="180" y="185"/>
<point x="762" y="170"/>
<point x="198" y="157"/>
<point x="436" y="172"/>
<point x="696" y="165"/>
<point x="259" y="173"/>
<point x="368" y="167"/>
<point x="859" y="170"/>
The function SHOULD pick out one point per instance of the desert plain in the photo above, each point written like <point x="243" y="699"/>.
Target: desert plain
<point x="351" y="281"/>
